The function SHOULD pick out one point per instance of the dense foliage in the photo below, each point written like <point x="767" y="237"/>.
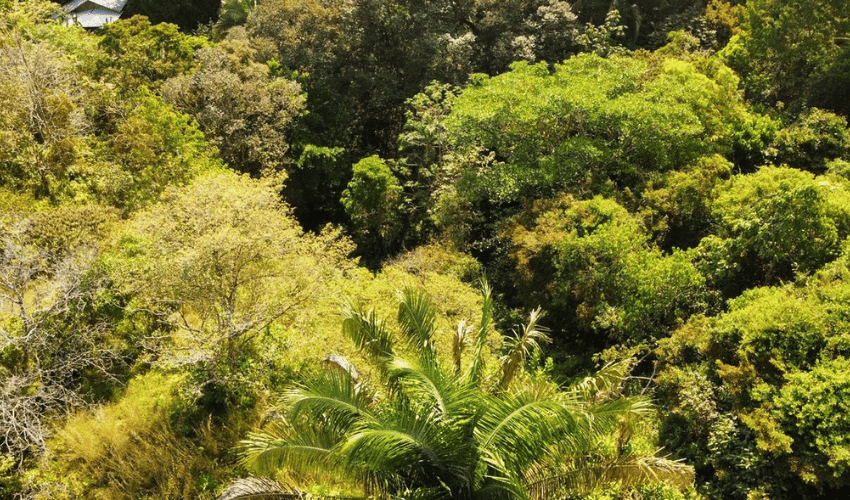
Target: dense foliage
<point x="193" y="200"/>
<point x="438" y="431"/>
<point x="764" y="382"/>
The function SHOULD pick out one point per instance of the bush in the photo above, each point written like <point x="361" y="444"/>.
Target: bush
<point x="127" y="449"/>
<point x="439" y="260"/>
<point x="677" y="209"/>
<point x="10" y="481"/>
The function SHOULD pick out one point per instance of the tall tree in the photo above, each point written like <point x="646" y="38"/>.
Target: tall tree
<point x="137" y="53"/>
<point x="220" y="259"/>
<point x="242" y="109"/>
<point x="53" y="341"/>
<point x="372" y="202"/>
<point x="38" y="136"/>
<point x="787" y="46"/>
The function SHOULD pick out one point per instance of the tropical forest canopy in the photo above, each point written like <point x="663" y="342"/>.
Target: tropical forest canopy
<point x="522" y="249"/>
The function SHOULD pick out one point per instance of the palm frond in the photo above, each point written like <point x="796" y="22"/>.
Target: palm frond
<point x="477" y="367"/>
<point x="416" y="449"/>
<point x="367" y="332"/>
<point x="522" y="345"/>
<point x="232" y="13"/>
<point x="560" y="475"/>
<point x="501" y="487"/>
<point x="595" y="421"/>
<point x="606" y="382"/>
<point x="617" y="409"/>
<point x="516" y="428"/>
<point x="459" y="343"/>
<point x="309" y="449"/>
<point x="431" y="389"/>
<point x="333" y="396"/>
<point x="416" y="317"/>
<point x="421" y="385"/>
<point x="254" y="488"/>
<point x="386" y="450"/>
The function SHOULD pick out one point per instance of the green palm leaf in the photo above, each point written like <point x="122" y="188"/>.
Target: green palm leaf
<point x="254" y="488"/>
<point x="334" y="396"/>
<point x="605" y="383"/>
<point x="559" y="474"/>
<point x="477" y="368"/>
<point x="310" y="449"/>
<point x="605" y="416"/>
<point x="426" y="387"/>
<point x="419" y="450"/>
<point x="367" y="332"/>
<point x="521" y="345"/>
<point x="516" y="428"/>
<point x="431" y="389"/>
<point x="232" y="13"/>
<point x="416" y="317"/>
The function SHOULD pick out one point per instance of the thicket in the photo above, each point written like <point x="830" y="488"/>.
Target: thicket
<point x="260" y="238"/>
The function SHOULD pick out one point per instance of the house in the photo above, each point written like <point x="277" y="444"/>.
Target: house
<point x="93" y="13"/>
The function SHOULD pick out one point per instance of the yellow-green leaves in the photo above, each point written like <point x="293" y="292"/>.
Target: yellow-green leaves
<point x="137" y="54"/>
<point x="150" y="148"/>
<point x="763" y="387"/>
<point x="776" y="222"/>
<point x="592" y="121"/>
<point x="372" y="201"/>
<point x="224" y="258"/>
<point x="243" y="111"/>
<point x="591" y="264"/>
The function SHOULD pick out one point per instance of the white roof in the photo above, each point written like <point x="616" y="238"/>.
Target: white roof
<point x="113" y="5"/>
<point x="73" y="5"/>
<point x="94" y="18"/>
<point x="116" y="5"/>
<point x="93" y="13"/>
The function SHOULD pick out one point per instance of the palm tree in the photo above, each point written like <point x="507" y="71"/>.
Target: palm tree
<point x="441" y="433"/>
<point x="232" y="13"/>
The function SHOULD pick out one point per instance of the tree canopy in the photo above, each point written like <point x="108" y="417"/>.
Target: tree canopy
<point x="194" y="199"/>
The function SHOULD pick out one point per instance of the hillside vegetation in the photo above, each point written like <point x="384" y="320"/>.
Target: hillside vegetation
<point x="520" y="249"/>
